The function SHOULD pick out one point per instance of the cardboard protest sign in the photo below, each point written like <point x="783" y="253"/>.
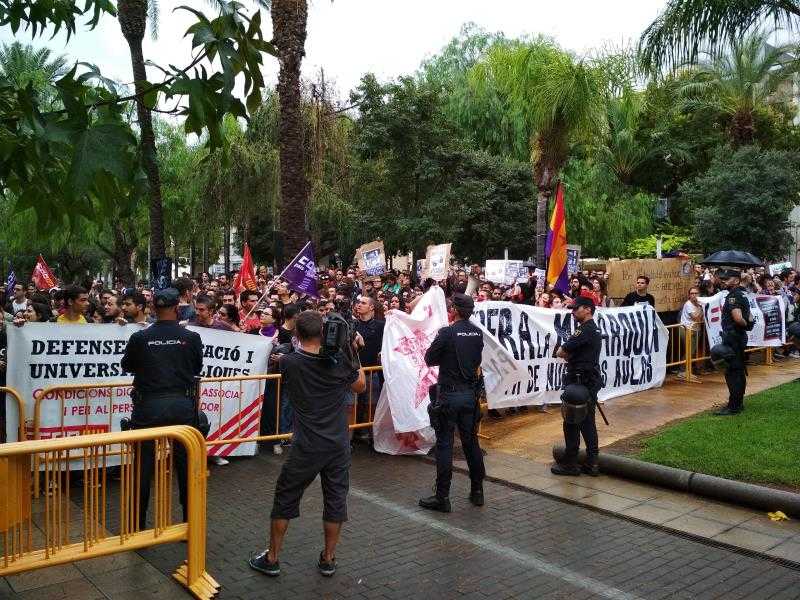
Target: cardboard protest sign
<point x="768" y="312"/>
<point x="670" y="279"/>
<point x="371" y="258"/>
<point x="438" y="261"/>
<point x="520" y="344"/>
<point x="777" y="268"/>
<point x="43" y="355"/>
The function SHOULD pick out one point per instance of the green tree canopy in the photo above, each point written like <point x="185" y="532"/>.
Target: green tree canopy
<point x="743" y="201"/>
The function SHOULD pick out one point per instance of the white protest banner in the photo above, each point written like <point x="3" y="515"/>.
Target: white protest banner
<point x="505" y="272"/>
<point x="777" y="268"/>
<point x="371" y="259"/>
<point x="42" y="355"/>
<point x="520" y="344"/>
<point x="401" y="419"/>
<point x="768" y="312"/>
<point x="495" y="271"/>
<point x="438" y="258"/>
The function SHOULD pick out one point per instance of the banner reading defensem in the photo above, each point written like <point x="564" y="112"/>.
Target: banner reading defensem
<point x="43" y="355"/>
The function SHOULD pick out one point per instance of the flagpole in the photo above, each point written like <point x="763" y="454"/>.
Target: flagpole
<point x="273" y="284"/>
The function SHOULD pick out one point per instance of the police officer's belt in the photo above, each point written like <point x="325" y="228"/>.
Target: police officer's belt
<point x="456" y="387"/>
<point x="157" y="397"/>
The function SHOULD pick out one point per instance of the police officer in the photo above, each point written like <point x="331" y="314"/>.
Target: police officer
<point x="582" y="353"/>
<point x="164" y="359"/>
<point x="457" y="351"/>
<point x="736" y="322"/>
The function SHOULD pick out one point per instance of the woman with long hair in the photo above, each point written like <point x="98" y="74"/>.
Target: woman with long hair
<point x="228" y="314"/>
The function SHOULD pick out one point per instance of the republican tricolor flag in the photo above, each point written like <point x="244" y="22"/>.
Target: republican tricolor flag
<point x="246" y="277"/>
<point x="556" y="247"/>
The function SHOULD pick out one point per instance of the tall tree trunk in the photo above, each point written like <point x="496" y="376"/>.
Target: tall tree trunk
<point x="132" y="16"/>
<point x="192" y="258"/>
<point x="226" y="253"/>
<point x="122" y="253"/>
<point x="743" y="129"/>
<point x="289" y="36"/>
<point x="549" y="155"/>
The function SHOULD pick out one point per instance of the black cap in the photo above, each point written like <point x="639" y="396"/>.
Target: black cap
<point x="728" y="272"/>
<point x="166" y="298"/>
<point x="582" y="301"/>
<point x="463" y="302"/>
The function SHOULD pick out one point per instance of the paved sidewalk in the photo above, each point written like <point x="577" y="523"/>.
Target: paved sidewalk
<point x="520" y="545"/>
<point x="532" y="434"/>
<point x="724" y="523"/>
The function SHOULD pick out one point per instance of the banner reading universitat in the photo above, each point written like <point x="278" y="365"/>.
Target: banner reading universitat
<point x="520" y="344"/>
<point x="769" y="328"/>
<point x="42" y="355"/>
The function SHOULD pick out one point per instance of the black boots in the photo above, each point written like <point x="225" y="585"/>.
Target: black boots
<point x="436" y="503"/>
<point x="476" y="495"/>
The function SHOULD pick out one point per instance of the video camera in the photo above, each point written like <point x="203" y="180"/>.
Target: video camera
<point x="339" y="332"/>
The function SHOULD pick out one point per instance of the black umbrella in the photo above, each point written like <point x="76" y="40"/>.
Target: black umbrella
<point x="733" y="258"/>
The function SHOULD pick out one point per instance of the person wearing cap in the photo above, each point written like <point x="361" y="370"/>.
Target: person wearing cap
<point x="164" y="360"/>
<point x="736" y="322"/>
<point x="457" y="352"/>
<point x="582" y="353"/>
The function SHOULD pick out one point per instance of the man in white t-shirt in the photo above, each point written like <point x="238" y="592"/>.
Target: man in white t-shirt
<point x="18" y="301"/>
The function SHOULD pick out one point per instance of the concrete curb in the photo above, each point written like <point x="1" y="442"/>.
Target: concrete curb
<point x="727" y="490"/>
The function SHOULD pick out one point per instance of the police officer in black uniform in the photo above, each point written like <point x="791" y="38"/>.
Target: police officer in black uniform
<point x="582" y="353"/>
<point x="457" y="351"/>
<point x="164" y="359"/>
<point x="736" y="322"/>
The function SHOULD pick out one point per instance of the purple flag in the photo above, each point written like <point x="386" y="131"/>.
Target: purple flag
<point x="301" y="273"/>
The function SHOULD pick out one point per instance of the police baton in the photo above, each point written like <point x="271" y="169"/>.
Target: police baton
<point x="602" y="414"/>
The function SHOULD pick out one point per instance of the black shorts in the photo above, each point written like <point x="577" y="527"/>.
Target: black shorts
<point x="299" y="470"/>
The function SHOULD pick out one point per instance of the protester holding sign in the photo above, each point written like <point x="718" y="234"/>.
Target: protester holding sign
<point x="640" y="294"/>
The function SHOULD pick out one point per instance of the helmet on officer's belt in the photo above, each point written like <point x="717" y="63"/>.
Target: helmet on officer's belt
<point x="575" y="403"/>
<point x="722" y="355"/>
<point x="794" y="331"/>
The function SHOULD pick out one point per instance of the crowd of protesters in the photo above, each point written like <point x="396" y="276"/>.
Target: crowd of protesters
<point x="272" y="308"/>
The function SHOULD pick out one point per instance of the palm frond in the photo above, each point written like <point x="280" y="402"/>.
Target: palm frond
<point x="686" y="27"/>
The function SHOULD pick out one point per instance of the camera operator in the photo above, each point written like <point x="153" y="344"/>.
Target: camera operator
<point x="319" y="383"/>
<point x="457" y="351"/>
<point x="164" y="359"/>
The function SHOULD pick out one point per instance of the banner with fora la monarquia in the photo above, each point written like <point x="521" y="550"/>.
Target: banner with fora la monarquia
<point x="43" y="355"/>
<point x="520" y="344"/>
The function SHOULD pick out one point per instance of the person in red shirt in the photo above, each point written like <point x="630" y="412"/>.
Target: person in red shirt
<point x="248" y="319"/>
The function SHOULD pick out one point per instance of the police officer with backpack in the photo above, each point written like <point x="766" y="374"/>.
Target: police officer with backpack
<point x="457" y="351"/>
<point x="736" y="322"/>
<point x="579" y="399"/>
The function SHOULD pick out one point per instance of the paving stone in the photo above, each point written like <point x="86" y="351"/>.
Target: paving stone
<point x="128" y="579"/>
<point x="745" y="538"/>
<point x="789" y="550"/>
<point x="651" y="514"/>
<point x="43" y="578"/>
<point x="723" y="513"/>
<point x="697" y="525"/>
<point x="608" y="502"/>
<point x="75" y="589"/>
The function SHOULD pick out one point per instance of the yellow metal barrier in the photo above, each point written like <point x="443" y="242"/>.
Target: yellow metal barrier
<point x="20" y="410"/>
<point x="108" y="392"/>
<point x="104" y="525"/>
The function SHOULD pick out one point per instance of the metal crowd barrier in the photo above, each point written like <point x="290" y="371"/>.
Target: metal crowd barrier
<point x="82" y="517"/>
<point x="20" y="411"/>
<point x="87" y="398"/>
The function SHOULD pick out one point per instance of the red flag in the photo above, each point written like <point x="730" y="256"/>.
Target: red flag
<point x="43" y="278"/>
<point x="246" y="277"/>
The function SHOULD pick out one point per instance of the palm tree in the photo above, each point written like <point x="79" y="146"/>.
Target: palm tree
<point x="686" y="27"/>
<point x="738" y="82"/>
<point x="289" y="19"/>
<point x="132" y="16"/>
<point x="24" y="64"/>
<point x="549" y="100"/>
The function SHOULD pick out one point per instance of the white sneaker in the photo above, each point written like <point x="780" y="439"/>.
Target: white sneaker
<point x="219" y="461"/>
<point x="277" y="450"/>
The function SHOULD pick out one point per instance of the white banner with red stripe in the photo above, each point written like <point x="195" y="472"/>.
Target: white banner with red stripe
<point x="43" y="355"/>
<point x="768" y="313"/>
